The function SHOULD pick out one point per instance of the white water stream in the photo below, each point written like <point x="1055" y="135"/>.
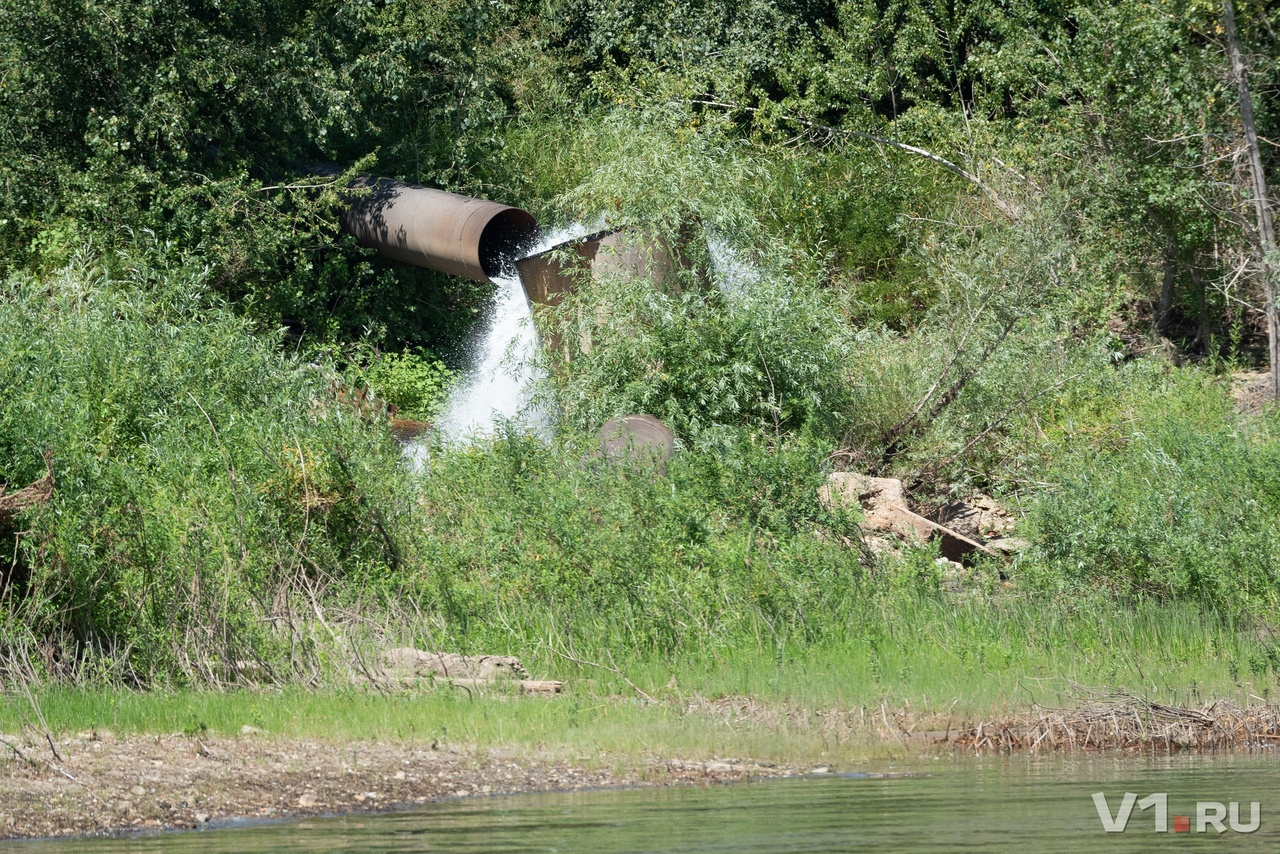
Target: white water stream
<point x="501" y="365"/>
<point x="501" y="369"/>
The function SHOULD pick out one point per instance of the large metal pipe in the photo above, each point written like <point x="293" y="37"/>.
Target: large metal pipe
<point x="467" y="237"/>
<point x="546" y="279"/>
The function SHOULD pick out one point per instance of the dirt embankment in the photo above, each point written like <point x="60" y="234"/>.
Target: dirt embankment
<point x="104" y="784"/>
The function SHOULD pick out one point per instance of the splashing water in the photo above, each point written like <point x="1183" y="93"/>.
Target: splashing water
<point x="561" y="236"/>
<point x="735" y="274"/>
<point x="501" y="364"/>
<point x="502" y="368"/>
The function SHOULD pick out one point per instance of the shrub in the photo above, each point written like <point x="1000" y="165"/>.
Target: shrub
<point x="627" y="559"/>
<point x="206" y="484"/>
<point x="414" y="382"/>
<point x="1167" y="494"/>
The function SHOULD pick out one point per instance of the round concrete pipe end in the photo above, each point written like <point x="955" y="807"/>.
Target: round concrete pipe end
<point x="636" y="438"/>
<point x="506" y="237"/>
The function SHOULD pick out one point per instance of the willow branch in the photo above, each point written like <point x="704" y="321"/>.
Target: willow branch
<point x="1008" y="209"/>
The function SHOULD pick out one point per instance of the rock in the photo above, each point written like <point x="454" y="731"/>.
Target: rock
<point x="972" y="522"/>
<point x="883" y="501"/>
<point x="1008" y="545"/>
<point x="410" y="662"/>
<point x="541" y="686"/>
<point x="980" y="517"/>
<point x="250" y="730"/>
<point x="636" y="438"/>
<point x="137" y="791"/>
<point x="308" y="800"/>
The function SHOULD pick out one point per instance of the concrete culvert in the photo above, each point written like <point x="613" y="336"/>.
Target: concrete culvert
<point x="636" y="438"/>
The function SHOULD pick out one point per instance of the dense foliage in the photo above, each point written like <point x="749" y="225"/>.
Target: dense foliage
<point x="976" y="245"/>
<point x="200" y="473"/>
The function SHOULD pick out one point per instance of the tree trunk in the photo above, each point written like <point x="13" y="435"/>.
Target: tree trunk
<point x="1203" y="335"/>
<point x="1262" y="204"/>
<point x="1165" y="306"/>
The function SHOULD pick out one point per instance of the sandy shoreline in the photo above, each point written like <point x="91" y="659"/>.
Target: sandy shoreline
<point x="99" y="783"/>
<point x="106" y="785"/>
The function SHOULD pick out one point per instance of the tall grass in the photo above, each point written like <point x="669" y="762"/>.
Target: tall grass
<point x="520" y="531"/>
<point x="209" y="487"/>
<point x="931" y="662"/>
<point x="1163" y="489"/>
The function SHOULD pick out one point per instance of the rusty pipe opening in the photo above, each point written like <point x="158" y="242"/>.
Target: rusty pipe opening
<point x="505" y="238"/>
<point x="467" y="237"/>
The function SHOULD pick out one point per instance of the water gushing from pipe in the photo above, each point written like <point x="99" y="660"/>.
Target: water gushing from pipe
<point x="500" y="373"/>
<point x="501" y="361"/>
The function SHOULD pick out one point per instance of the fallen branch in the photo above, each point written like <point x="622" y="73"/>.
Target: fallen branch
<point x="951" y="532"/>
<point x="38" y="492"/>
<point x="612" y="669"/>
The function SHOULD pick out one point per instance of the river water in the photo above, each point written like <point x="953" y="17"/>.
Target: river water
<point x="997" y="804"/>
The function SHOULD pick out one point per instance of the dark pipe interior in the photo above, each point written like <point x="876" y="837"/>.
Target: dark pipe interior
<point x="506" y="238"/>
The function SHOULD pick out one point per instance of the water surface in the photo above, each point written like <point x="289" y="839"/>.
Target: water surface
<point x="1015" y="804"/>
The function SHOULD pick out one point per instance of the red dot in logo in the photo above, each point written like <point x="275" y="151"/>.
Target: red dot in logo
<point x="1182" y="824"/>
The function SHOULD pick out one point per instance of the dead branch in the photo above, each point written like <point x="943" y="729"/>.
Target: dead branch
<point x="40" y="491"/>
<point x="611" y="667"/>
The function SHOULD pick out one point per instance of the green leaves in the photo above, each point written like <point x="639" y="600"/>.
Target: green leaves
<point x="203" y="479"/>
<point x="415" y="383"/>
<point x="200" y="122"/>
<point x="1178" y="501"/>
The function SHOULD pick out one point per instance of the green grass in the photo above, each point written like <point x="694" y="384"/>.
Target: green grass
<point x="978" y="656"/>
<point x="941" y="661"/>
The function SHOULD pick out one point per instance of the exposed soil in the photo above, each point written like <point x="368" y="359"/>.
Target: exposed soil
<point x="109" y="785"/>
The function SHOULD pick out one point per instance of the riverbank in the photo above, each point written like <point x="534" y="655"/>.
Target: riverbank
<point x="912" y="677"/>
<point x="104" y="784"/>
<point x="301" y="754"/>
